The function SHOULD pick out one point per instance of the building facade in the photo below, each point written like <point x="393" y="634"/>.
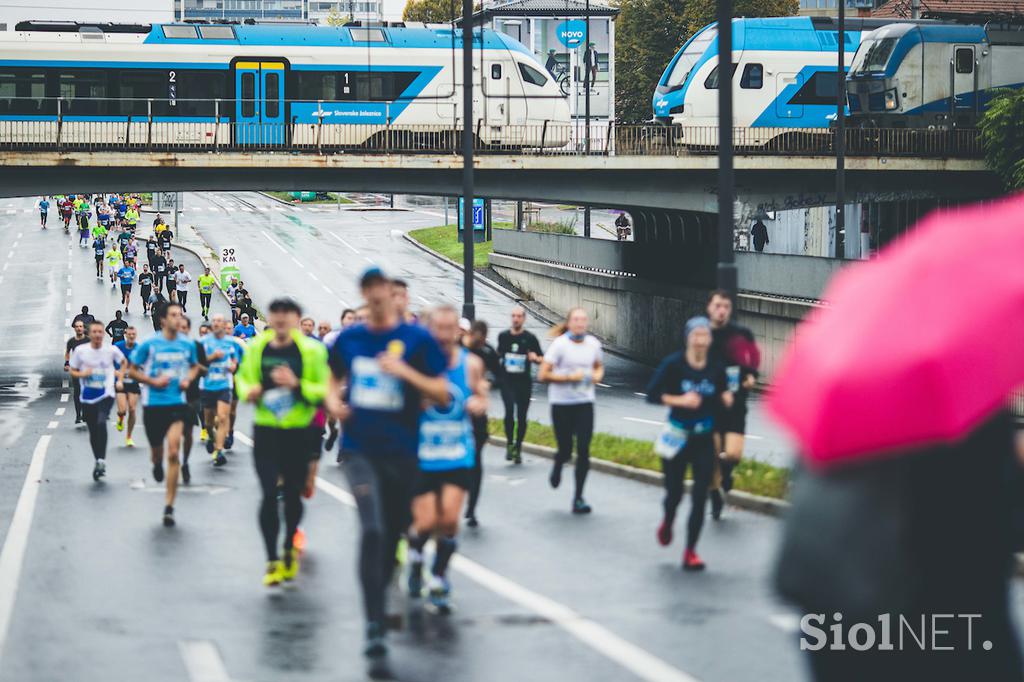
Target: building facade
<point x="120" y="11"/>
<point x="284" y="10"/>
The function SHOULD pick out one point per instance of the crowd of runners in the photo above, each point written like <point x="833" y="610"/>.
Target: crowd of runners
<point x="403" y="398"/>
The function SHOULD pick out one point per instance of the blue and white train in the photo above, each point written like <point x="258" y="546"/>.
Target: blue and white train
<point x="200" y="81"/>
<point x="932" y="76"/>
<point x="785" y="66"/>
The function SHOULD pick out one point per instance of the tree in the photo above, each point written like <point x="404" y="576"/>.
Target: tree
<point x="336" y="18"/>
<point x="1003" y="137"/>
<point x="648" y="33"/>
<point x="432" y="11"/>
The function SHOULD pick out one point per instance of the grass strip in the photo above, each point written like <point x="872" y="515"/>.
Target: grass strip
<point x="333" y="198"/>
<point x="444" y="239"/>
<point x="750" y="476"/>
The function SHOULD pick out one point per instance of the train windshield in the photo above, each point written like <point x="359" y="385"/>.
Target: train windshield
<point x="873" y="55"/>
<point x="687" y="59"/>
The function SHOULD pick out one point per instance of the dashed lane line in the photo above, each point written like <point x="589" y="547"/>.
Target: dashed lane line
<point x="352" y="248"/>
<point x="644" y="421"/>
<point x="12" y="556"/>
<point x="53" y="425"/>
<point x="272" y="241"/>
<point x="203" y="661"/>
<point x="59" y="412"/>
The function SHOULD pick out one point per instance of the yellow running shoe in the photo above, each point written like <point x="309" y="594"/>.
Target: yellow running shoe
<point x="120" y="423"/>
<point x="203" y="435"/>
<point x="274" y="574"/>
<point x="129" y="443"/>
<point x="290" y="569"/>
<point x="402" y="551"/>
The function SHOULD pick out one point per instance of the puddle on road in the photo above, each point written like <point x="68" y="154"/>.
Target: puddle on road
<point x="17" y="393"/>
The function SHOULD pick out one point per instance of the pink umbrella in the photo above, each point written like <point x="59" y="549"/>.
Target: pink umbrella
<point x="916" y="347"/>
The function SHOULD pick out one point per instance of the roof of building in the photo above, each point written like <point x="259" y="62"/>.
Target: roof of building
<point x="544" y="8"/>
<point x="981" y="10"/>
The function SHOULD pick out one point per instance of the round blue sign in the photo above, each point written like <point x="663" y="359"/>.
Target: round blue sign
<point x="572" y="33"/>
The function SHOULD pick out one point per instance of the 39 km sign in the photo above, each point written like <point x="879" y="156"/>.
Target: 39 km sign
<point x="228" y="266"/>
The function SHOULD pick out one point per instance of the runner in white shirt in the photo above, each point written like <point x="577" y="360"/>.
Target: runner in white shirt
<point x="181" y="281"/>
<point x="95" y="366"/>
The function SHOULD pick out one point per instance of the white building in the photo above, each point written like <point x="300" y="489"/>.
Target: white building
<point x="116" y="11"/>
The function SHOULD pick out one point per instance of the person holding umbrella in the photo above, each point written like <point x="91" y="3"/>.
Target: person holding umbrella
<point x="908" y="502"/>
<point x="692" y="385"/>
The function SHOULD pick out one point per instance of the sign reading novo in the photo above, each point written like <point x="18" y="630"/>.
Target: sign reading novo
<point x="572" y="33"/>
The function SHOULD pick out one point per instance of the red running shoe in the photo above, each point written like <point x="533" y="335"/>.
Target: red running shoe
<point x="299" y="540"/>
<point x="692" y="562"/>
<point x="665" y="533"/>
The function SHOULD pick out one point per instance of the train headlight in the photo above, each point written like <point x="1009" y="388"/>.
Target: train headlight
<point x="892" y="101"/>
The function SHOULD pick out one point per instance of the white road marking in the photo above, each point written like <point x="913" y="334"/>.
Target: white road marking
<point x="642" y="395"/>
<point x="327" y="289"/>
<point x="12" y="211"/>
<point x="203" y="661"/>
<point x="67" y="323"/>
<point x="14" y="245"/>
<point x="67" y="306"/>
<point x="10" y="254"/>
<point x="643" y="421"/>
<point x="246" y="209"/>
<point x="26" y="210"/>
<point x="298" y="262"/>
<point x="313" y="277"/>
<point x="751" y="436"/>
<point x="424" y="300"/>
<point x="641" y="663"/>
<point x="604" y="385"/>
<point x="64" y="384"/>
<point x="69" y="279"/>
<point x="64" y="397"/>
<point x="20" y="233"/>
<point x="60" y="412"/>
<point x="271" y="239"/>
<point x="368" y="259"/>
<point x="354" y="250"/>
<point x="197" y="208"/>
<point x="787" y="622"/>
<point x="53" y="425"/>
<point x="13" y="554"/>
<point x="69" y="291"/>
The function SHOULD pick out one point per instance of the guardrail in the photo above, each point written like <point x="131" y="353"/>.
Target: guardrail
<point x="212" y="125"/>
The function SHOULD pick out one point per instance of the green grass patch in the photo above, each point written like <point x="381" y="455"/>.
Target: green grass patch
<point x="750" y="476"/>
<point x="444" y="239"/>
<point x="333" y="198"/>
<point x="146" y="197"/>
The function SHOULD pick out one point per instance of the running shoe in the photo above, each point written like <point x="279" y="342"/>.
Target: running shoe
<point x="440" y="593"/>
<point x="120" y="423"/>
<point x="100" y="470"/>
<point x="203" y="435"/>
<point x="290" y="565"/>
<point x="129" y="443"/>
<point x="186" y="474"/>
<point x="168" y="517"/>
<point x="415" y="580"/>
<point x="717" y="503"/>
<point x="299" y="540"/>
<point x="580" y="507"/>
<point x="229" y="441"/>
<point x="665" y="533"/>
<point x="274" y="574"/>
<point x="158" y="472"/>
<point x="471" y="520"/>
<point x="517" y="456"/>
<point x="219" y="459"/>
<point x="210" y="446"/>
<point x="332" y="438"/>
<point x="692" y="562"/>
<point x="510" y="452"/>
<point x="376" y="651"/>
<point x="556" y="474"/>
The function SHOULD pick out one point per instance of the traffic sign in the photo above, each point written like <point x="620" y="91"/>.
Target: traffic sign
<point x="479" y="220"/>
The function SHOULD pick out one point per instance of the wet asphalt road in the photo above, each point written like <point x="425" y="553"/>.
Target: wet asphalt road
<point x="105" y="593"/>
<point x="316" y="252"/>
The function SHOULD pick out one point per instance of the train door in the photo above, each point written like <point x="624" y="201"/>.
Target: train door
<point x="496" y="99"/>
<point x="786" y="87"/>
<point x="963" y="77"/>
<point x="259" y="103"/>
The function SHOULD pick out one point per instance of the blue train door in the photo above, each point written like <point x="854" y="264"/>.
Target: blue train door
<point x="259" y="103"/>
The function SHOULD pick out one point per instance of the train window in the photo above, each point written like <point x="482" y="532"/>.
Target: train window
<point x="248" y="95"/>
<point x="361" y="86"/>
<point x="873" y="55"/>
<point x="964" y="60"/>
<point x="83" y="92"/>
<point x="179" y="32"/>
<point x="820" y="88"/>
<point x="711" y="82"/>
<point x="684" y="64"/>
<point x="217" y="32"/>
<point x="198" y="89"/>
<point x="273" y="105"/>
<point x="23" y="92"/>
<point x="367" y="35"/>
<point x="496" y="71"/>
<point x="753" y="77"/>
<point x="136" y="86"/>
<point x="532" y="75"/>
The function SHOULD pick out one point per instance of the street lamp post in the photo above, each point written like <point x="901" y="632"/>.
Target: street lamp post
<point x="588" y="68"/>
<point x="726" y="274"/>
<point x="841" y="135"/>
<point x="468" y="307"/>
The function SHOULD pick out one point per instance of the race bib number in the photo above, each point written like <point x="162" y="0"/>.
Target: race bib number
<point x="515" y="363"/>
<point x="94" y="385"/>
<point x="372" y="389"/>
<point x="279" y="401"/>
<point x="671" y="440"/>
<point x="442" y="441"/>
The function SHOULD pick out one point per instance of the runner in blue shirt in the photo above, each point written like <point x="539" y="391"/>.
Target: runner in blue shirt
<point x="386" y="367"/>
<point x="44" y="208"/>
<point x="127" y="277"/>
<point x="99" y="248"/>
<point x="165" y="364"/>
<point x="223" y="354"/>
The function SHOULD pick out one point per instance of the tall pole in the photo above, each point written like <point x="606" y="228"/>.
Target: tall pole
<point x="587" y="77"/>
<point x="726" y="257"/>
<point x="841" y="136"/>
<point x="468" y="307"/>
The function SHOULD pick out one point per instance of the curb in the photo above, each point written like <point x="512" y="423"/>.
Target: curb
<point x="476" y="276"/>
<point x="737" y="498"/>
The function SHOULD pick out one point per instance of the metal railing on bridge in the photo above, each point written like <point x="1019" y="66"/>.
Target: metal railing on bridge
<point x="84" y="124"/>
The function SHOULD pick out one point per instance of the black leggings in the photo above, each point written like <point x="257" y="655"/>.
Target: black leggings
<point x="204" y="301"/>
<point x="96" y="415"/>
<point x="477" y="472"/>
<point x="382" y="486"/>
<point x="699" y="452"/>
<point x="279" y="454"/>
<point x="569" y="422"/>
<point x="76" y="395"/>
<point x="516" y="396"/>
<point x="182" y="297"/>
